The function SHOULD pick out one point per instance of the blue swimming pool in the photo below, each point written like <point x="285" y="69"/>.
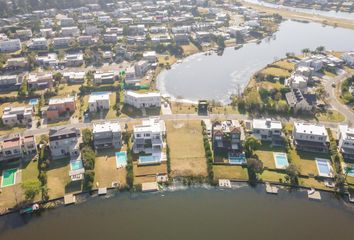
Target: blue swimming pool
<point x="281" y="160"/>
<point x="350" y="171"/>
<point x="76" y="165"/>
<point x="99" y="93"/>
<point x="33" y="101"/>
<point x="121" y="159"/>
<point x="323" y="167"/>
<point x="145" y="160"/>
<point x="241" y="159"/>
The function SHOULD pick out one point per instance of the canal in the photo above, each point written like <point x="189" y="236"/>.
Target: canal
<point x="217" y="77"/>
<point x="194" y="213"/>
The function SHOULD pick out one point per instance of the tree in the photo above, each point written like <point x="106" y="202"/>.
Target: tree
<point x="22" y="92"/>
<point x="32" y="188"/>
<point x="254" y="167"/>
<point x="320" y="49"/>
<point x="251" y="144"/>
<point x="292" y="174"/>
<point x="57" y="77"/>
<point x="305" y="51"/>
<point x="87" y="137"/>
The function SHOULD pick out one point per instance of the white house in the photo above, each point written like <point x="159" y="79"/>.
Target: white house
<point x="11" y="45"/>
<point x="267" y="130"/>
<point x="141" y="68"/>
<point x="64" y="142"/>
<point x="150" y="56"/>
<point x="38" y="43"/>
<point x="98" y="101"/>
<point x="141" y="100"/>
<point x="310" y="137"/>
<point x="107" y="135"/>
<point x="346" y="141"/>
<point x="17" y="115"/>
<point x="348" y="58"/>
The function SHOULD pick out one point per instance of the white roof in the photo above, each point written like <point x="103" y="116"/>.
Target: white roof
<point x="310" y="128"/>
<point x="154" y="125"/>
<point x="143" y="95"/>
<point x="347" y="133"/>
<point x="97" y="97"/>
<point x="266" y="124"/>
<point x="60" y="100"/>
<point x="106" y="127"/>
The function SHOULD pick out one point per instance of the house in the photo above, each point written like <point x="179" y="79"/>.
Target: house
<point x="59" y="106"/>
<point x="10" y="45"/>
<point x="38" y="44"/>
<point x="141" y="68"/>
<point x="61" y="42"/>
<point x="203" y="107"/>
<point x="104" y="77"/>
<point x="17" y="116"/>
<point x="104" y="19"/>
<point x="70" y="32"/>
<point x="91" y="30"/>
<point x="73" y="60"/>
<point x="142" y="100"/>
<point x="40" y="80"/>
<point x="98" y="101"/>
<point x="64" y="142"/>
<point x="67" y="22"/>
<point x="137" y="29"/>
<point x="348" y="58"/>
<point x="47" y="32"/>
<point x="227" y="136"/>
<point x="85" y="40"/>
<point x="18" y="62"/>
<point x="107" y="135"/>
<point x="297" y="81"/>
<point x="50" y="59"/>
<point x="9" y="82"/>
<point x="181" y="38"/>
<point x="346" y="141"/>
<point x="110" y="38"/>
<point x="24" y="34"/>
<point x="148" y="137"/>
<point x="301" y="102"/>
<point x="267" y="130"/>
<point x="310" y="137"/>
<point x="74" y="77"/>
<point x="150" y="56"/>
<point x="15" y="146"/>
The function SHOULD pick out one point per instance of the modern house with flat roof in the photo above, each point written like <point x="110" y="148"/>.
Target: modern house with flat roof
<point x="148" y="136"/>
<point x="98" y="101"/>
<point x="310" y="137"/>
<point x="267" y="130"/>
<point x="346" y="141"/>
<point x="9" y="82"/>
<point x="142" y="100"/>
<point x="104" y="77"/>
<point x="17" y="116"/>
<point x="107" y="135"/>
<point x="58" y="107"/>
<point x="64" y="142"/>
<point x="15" y="146"/>
<point x="10" y="45"/>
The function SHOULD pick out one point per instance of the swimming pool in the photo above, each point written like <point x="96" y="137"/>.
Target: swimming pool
<point x="76" y="165"/>
<point x="100" y="93"/>
<point x="121" y="159"/>
<point x="348" y="169"/>
<point x="146" y="160"/>
<point x="237" y="160"/>
<point x="281" y="160"/>
<point x="8" y="177"/>
<point x="33" y="101"/>
<point x="324" y="167"/>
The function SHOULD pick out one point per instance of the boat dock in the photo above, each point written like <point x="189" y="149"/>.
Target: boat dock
<point x="149" y="187"/>
<point x="69" y="199"/>
<point x="224" y="183"/>
<point x="350" y="198"/>
<point x="271" y="189"/>
<point x="313" y="194"/>
<point x="102" y="191"/>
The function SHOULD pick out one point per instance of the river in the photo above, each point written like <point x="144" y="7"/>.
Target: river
<point x="332" y="14"/>
<point x="217" y="77"/>
<point x="196" y="213"/>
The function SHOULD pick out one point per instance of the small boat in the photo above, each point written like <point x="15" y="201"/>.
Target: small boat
<point x="29" y="210"/>
<point x="350" y="198"/>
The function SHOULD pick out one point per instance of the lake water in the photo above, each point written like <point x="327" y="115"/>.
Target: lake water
<point x="217" y="77"/>
<point x="333" y="14"/>
<point x="243" y="213"/>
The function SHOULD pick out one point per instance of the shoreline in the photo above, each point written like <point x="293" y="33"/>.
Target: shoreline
<point x="87" y="195"/>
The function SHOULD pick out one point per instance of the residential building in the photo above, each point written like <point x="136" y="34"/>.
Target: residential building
<point x="301" y="102"/>
<point x="17" y="116"/>
<point x="297" y="81"/>
<point x="268" y="130"/>
<point x="29" y="146"/>
<point x="85" y="40"/>
<point x="104" y="77"/>
<point x="70" y="32"/>
<point x="15" y="146"/>
<point x="10" y="45"/>
<point x="47" y="32"/>
<point x="98" y="101"/>
<point x="142" y="100"/>
<point x="150" y="56"/>
<point x="310" y="137"/>
<point x="58" y="107"/>
<point x="74" y="77"/>
<point x="346" y="141"/>
<point x="73" y="60"/>
<point x="64" y="142"/>
<point x="40" y="80"/>
<point x="110" y="38"/>
<point x="61" y="42"/>
<point x="141" y="68"/>
<point x="9" y="82"/>
<point x="38" y="44"/>
<point x="50" y="59"/>
<point x="148" y="137"/>
<point x="348" y="58"/>
<point x="107" y="135"/>
<point x="24" y="34"/>
<point x="227" y="136"/>
<point x="67" y="22"/>
<point x="18" y="62"/>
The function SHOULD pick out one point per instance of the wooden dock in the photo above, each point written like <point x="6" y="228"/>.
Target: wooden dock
<point x="224" y="183"/>
<point x="149" y="187"/>
<point x="102" y="191"/>
<point x="313" y="194"/>
<point x="271" y="189"/>
<point x="69" y="199"/>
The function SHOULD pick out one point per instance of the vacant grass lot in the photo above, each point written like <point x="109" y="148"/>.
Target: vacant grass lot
<point x="330" y="116"/>
<point x="106" y="170"/>
<point x="186" y="148"/>
<point x="230" y="172"/>
<point x="189" y="49"/>
<point x="276" y="72"/>
<point x="285" y="64"/>
<point x="183" y="108"/>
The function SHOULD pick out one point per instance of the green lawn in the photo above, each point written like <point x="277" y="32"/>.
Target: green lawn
<point x="30" y="171"/>
<point x="230" y="172"/>
<point x="272" y="176"/>
<point x="265" y="154"/>
<point x="306" y="161"/>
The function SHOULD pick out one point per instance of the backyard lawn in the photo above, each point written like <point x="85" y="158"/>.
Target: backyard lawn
<point x="186" y="148"/>
<point x="306" y="161"/>
<point x="148" y="173"/>
<point x="276" y="72"/>
<point x="272" y="176"/>
<point x="106" y="170"/>
<point x="265" y="154"/>
<point x="231" y="172"/>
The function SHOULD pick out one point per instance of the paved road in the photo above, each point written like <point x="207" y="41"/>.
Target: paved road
<point x="332" y="98"/>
